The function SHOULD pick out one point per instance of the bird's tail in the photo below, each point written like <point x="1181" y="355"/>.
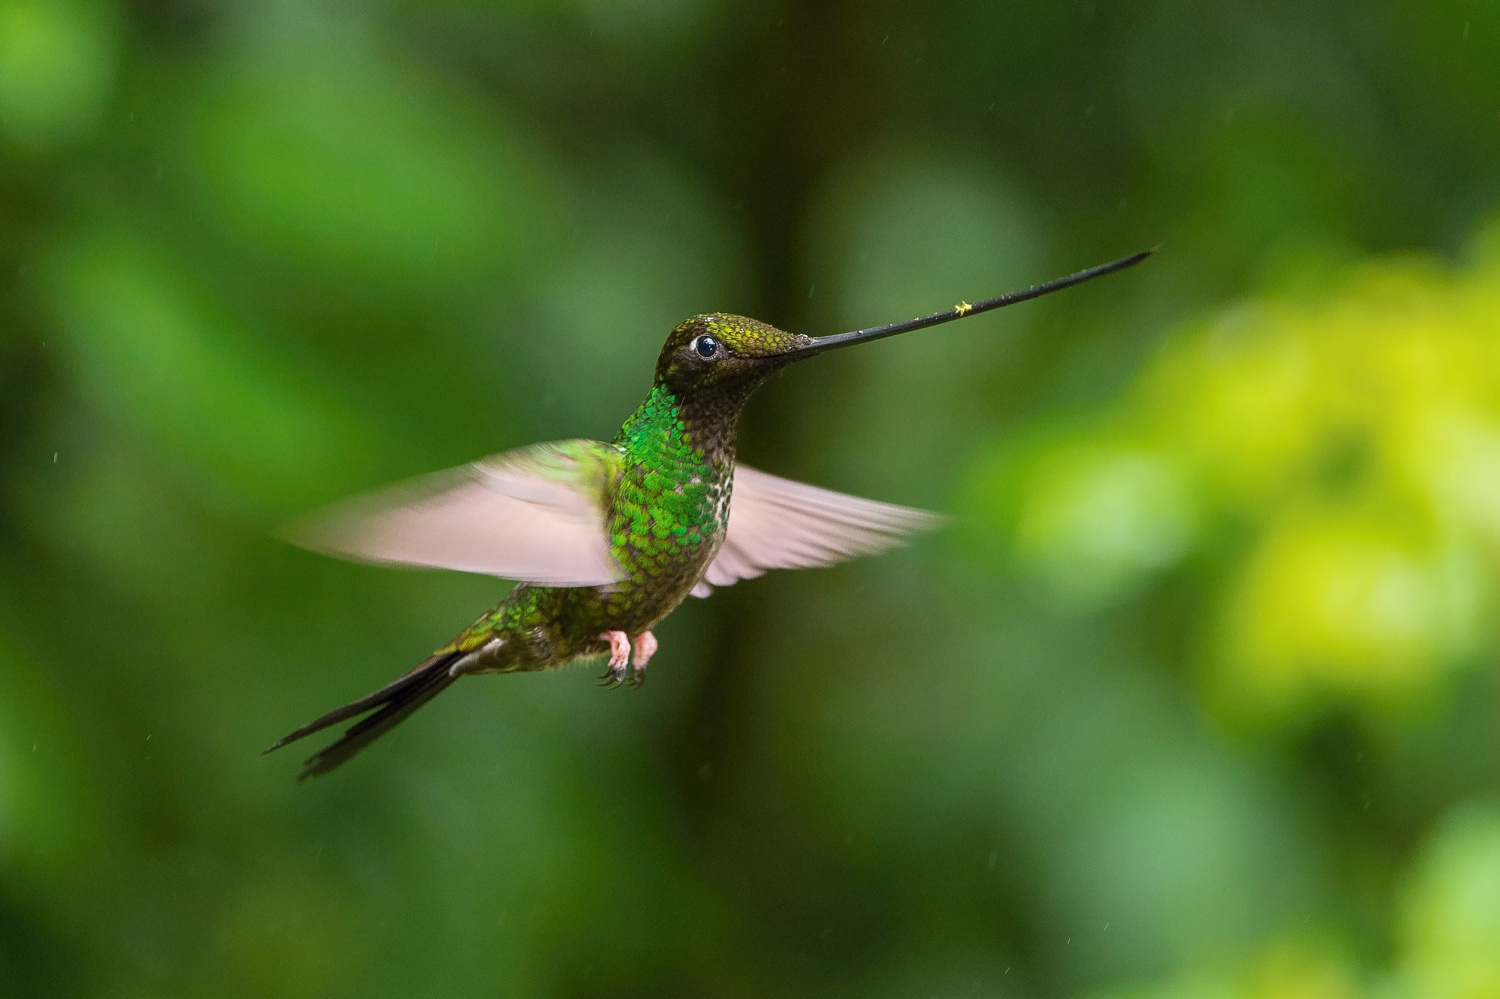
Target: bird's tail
<point x="390" y="705"/>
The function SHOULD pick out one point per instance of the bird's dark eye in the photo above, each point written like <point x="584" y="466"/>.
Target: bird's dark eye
<point x="706" y="346"/>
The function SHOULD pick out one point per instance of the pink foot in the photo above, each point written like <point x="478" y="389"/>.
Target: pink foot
<point x="619" y="657"/>
<point x="645" y="648"/>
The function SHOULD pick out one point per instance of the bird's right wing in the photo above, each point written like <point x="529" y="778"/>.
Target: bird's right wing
<point x="535" y="514"/>
<point x="775" y="523"/>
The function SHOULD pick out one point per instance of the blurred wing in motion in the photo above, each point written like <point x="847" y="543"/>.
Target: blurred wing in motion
<point x="776" y="523"/>
<point x="534" y="514"/>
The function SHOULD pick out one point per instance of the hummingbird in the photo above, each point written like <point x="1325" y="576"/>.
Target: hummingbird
<point x="606" y="539"/>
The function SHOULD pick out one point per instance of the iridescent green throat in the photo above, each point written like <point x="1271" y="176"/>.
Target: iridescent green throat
<point x="674" y="486"/>
<point x="666" y="423"/>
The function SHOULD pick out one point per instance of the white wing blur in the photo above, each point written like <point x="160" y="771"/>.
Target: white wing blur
<point x="775" y="523"/>
<point x="532" y="514"/>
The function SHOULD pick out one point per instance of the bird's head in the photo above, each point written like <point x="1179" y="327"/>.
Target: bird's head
<point x="721" y="351"/>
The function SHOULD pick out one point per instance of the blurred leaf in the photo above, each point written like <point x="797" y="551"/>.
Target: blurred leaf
<point x="317" y="153"/>
<point x="48" y="815"/>
<point x="154" y="349"/>
<point x="1088" y="510"/>
<point x="1344" y="604"/>
<point x="56" y="68"/>
<point x="1451" y="913"/>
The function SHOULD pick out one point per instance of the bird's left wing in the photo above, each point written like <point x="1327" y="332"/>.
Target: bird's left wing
<point x="775" y="523"/>
<point x="535" y="514"/>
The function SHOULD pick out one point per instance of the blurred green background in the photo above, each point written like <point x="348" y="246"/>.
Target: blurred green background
<point x="1197" y="699"/>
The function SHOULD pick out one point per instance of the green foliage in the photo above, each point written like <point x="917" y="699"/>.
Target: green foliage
<point x="56" y="64"/>
<point x="1335" y="456"/>
<point x="1197" y="698"/>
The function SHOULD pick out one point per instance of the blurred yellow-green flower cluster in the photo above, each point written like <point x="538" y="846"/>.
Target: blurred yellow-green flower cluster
<point x="1333" y="453"/>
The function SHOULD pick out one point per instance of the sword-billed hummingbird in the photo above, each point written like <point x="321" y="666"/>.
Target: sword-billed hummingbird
<point x="607" y="539"/>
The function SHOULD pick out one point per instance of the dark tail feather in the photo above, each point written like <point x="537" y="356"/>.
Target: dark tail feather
<point x="391" y="705"/>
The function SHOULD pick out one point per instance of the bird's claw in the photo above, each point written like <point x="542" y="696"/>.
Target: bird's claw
<point x="644" y="647"/>
<point x="620" y="648"/>
<point x="619" y="658"/>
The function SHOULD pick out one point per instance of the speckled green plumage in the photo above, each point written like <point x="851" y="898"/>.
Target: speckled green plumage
<point x="667" y="508"/>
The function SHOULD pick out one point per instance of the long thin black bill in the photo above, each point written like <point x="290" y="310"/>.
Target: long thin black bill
<point x="822" y="343"/>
